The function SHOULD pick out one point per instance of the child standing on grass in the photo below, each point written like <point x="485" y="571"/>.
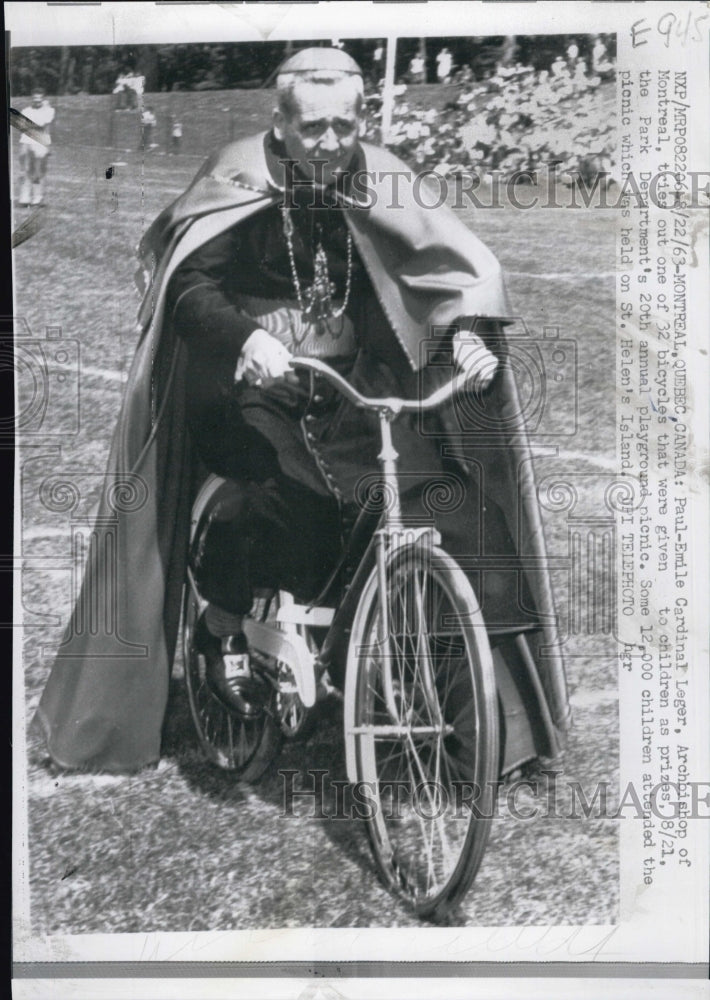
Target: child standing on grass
<point x="148" y="123"/>
<point x="175" y="134"/>
<point x="34" y="152"/>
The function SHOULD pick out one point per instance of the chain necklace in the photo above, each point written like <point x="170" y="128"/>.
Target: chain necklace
<point x="316" y="302"/>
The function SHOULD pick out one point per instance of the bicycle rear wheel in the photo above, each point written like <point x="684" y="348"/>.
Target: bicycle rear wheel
<point x="243" y="745"/>
<point x="432" y="768"/>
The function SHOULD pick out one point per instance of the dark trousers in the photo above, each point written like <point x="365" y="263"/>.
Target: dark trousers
<point x="280" y="534"/>
<point x="271" y="534"/>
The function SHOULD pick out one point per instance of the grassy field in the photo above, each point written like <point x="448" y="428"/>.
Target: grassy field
<point x="209" y="117"/>
<point x="183" y="847"/>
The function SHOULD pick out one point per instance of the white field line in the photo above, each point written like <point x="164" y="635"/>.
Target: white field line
<point x="109" y="375"/>
<point x="601" y="461"/>
<point x="590" y="699"/>
<point x="561" y="275"/>
<point x="93" y="371"/>
<point x="127" y="149"/>
<point x="36" y="531"/>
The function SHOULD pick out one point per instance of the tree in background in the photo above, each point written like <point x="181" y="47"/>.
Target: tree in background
<point x="93" y="69"/>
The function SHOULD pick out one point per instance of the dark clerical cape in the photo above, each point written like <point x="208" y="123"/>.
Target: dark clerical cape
<point x="103" y="706"/>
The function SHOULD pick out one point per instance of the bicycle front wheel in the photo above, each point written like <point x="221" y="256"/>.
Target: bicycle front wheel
<point x="427" y="752"/>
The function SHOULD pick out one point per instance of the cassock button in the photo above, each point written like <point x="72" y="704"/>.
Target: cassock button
<point x="310" y="417"/>
<point x="317" y="398"/>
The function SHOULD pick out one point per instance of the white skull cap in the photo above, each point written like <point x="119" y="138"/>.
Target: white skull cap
<point x="314" y="59"/>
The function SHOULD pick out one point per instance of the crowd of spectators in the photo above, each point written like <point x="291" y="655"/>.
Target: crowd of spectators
<point x="519" y="119"/>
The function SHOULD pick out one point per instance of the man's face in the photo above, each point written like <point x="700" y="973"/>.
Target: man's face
<point x="324" y="125"/>
<point x="37" y="99"/>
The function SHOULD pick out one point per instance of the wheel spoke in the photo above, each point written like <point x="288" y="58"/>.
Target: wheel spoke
<point x="230" y="734"/>
<point x="438" y="665"/>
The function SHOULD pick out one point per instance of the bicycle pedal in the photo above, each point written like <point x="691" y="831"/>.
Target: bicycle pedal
<point x="236" y="666"/>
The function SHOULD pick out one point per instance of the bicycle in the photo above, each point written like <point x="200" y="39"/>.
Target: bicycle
<point x="421" y="711"/>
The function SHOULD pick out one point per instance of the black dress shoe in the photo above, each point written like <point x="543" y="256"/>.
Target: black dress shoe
<point x="229" y="672"/>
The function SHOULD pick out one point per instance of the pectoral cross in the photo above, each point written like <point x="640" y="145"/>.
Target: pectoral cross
<point x="319" y="297"/>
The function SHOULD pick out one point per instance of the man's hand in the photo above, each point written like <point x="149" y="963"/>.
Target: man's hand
<point x="473" y="357"/>
<point x="263" y="360"/>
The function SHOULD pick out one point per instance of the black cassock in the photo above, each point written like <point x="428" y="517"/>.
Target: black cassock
<point x="299" y="458"/>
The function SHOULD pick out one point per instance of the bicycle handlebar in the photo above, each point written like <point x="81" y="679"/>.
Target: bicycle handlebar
<point x="393" y="404"/>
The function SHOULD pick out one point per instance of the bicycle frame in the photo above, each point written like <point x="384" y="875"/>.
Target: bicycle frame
<point x="523" y="718"/>
<point x="283" y="643"/>
<point x="373" y="543"/>
<point x="392" y="532"/>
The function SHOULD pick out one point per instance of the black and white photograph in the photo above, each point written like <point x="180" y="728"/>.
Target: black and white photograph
<point x="324" y="478"/>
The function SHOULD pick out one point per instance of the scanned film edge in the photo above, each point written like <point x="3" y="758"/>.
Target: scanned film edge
<point x="636" y="82"/>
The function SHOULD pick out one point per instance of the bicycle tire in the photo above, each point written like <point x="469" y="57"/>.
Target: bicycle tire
<point x="452" y="650"/>
<point x="242" y="746"/>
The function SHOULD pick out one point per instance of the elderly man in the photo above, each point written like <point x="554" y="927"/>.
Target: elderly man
<point x="273" y="253"/>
